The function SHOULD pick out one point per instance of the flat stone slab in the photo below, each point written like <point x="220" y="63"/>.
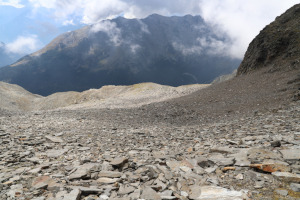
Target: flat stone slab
<point x="291" y="154"/>
<point x="149" y="193"/>
<point x="272" y="166"/>
<point x="286" y="176"/>
<point x="110" y="174"/>
<point x="73" y="195"/>
<point x="119" y="161"/>
<point x="217" y="193"/>
<point x="82" y="171"/>
<point x="56" y="153"/>
<point x="54" y="139"/>
<point x="107" y="180"/>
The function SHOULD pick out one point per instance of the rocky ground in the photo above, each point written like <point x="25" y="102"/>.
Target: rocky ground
<point x="133" y="154"/>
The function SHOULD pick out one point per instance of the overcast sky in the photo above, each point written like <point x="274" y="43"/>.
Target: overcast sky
<point x="27" y="25"/>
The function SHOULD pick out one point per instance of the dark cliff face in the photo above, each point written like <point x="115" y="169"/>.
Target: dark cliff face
<point x="277" y="45"/>
<point x="165" y="50"/>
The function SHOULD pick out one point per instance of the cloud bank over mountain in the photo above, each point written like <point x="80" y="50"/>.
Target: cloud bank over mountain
<point x="240" y="20"/>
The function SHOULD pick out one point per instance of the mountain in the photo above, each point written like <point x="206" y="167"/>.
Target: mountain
<point x="166" y="50"/>
<point x="5" y="57"/>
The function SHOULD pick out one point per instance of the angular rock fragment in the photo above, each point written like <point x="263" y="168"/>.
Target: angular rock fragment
<point x="54" y="139"/>
<point x="288" y="177"/>
<point x="110" y="174"/>
<point x="282" y="192"/>
<point x="82" y="172"/>
<point x="194" y="192"/>
<point x="295" y="187"/>
<point x="149" y="193"/>
<point x="107" y="180"/>
<point x="119" y="162"/>
<point x="126" y="189"/>
<point x="56" y="153"/>
<point x="73" y="195"/>
<point x="217" y="193"/>
<point x="272" y="167"/>
<point x="291" y="154"/>
<point x="41" y="182"/>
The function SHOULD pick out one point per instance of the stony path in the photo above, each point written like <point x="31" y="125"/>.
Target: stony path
<point x="71" y="155"/>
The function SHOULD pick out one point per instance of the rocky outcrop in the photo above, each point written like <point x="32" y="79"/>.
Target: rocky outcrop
<point x="277" y="46"/>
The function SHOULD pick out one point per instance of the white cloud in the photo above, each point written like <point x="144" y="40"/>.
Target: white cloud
<point x="214" y="46"/>
<point x="13" y="3"/>
<point x="95" y="11"/>
<point x="207" y="45"/>
<point x="45" y="3"/>
<point x="23" y="45"/>
<point x="144" y="27"/>
<point x="188" y="50"/>
<point x="242" y="20"/>
<point x="111" y="29"/>
<point x="134" y="48"/>
<point x="68" y="22"/>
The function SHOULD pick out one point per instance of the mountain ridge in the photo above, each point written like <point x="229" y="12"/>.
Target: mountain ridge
<point x="166" y="50"/>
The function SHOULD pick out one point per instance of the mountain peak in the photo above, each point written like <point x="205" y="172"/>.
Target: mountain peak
<point x="163" y="50"/>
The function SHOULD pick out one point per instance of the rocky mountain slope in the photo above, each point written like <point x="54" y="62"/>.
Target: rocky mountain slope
<point x="238" y="139"/>
<point x="165" y="50"/>
<point x="277" y="45"/>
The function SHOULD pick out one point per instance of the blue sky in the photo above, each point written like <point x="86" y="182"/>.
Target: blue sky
<point x="28" y="25"/>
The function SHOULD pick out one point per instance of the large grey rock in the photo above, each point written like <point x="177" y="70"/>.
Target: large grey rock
<point x="291" y="154"/>
<point x="82" y="171"/>
<point x="217" y="193"/>
<point x="126" y="189"/>
<point x="286" y="176"/>
<point x="295" y="187"/>
<point x="107" y="180"/>
<point x="149" y="193"/>
<point x="56" y="153"/>
<point x="194" y="192"/>
<point x="118" y="162"/>
<point x="54" y="139"/>
<point x="73" y="195"/>
<point x="110" y="174"/>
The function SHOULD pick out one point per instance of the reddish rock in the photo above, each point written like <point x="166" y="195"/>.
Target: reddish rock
<point x="271" y="167"/>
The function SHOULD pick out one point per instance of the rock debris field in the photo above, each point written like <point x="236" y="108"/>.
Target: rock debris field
<point x="96" y="154"/>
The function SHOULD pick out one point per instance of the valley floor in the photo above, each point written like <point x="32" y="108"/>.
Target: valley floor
<point x="114" y="154"/>
<point x="228" y="141"/>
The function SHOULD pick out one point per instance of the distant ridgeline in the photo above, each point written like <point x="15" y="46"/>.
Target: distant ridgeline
<point x="166" y="50"/>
